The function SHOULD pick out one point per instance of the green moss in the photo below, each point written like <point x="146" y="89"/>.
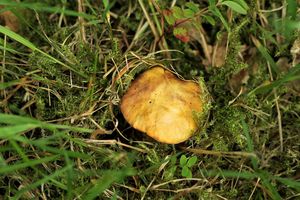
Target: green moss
<point x="227" y="129"/>
<point x="233" y="64"/>
<point x="201" y="118"/>
<point x="115" y="53"/>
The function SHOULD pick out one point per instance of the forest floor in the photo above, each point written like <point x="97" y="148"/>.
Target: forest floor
<point x="65" y="66"/>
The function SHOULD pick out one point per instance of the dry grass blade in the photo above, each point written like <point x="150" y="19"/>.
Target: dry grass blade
<point x="113" y="142"/>
<point x="233" y="154"/>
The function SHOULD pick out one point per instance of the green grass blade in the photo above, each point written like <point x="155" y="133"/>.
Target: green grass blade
<point x="230" y="174"/>
<point x="293" y="74"/>
<point x="9" y="84"/>
<point x="11" y="168"/>
<point x="264" y="52"/>
<point x="18" y="120"/>
<point x="249" y="143"/>
<point x="18" y="38"/>
<point x="18" y="149"/>
<point x="10" y="131"/>
<point x="57" y="173"/>
<point x="45" y="8"/>
<point x="265" y="179"/>
<point x="291" y="8"/>
<point x="2" y="161"/>
<point x="6" y="47"/>
<point x="44" y="147"/>
<point x="30" y="45"/>
<point x="235" y="6"/>
<point x="217" y="13"/>
<point x="108" y="178"/>
<point x="62" y="152"/>
<point x="289" y="182"/>
<point x="69" y="176"/>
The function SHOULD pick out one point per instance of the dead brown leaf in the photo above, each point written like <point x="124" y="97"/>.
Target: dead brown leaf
<point x="9" y="20"/>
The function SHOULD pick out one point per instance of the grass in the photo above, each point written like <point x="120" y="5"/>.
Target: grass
<point x="68" y="63"/>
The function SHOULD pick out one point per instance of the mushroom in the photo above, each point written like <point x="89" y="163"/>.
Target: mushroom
<point x="163" y="106"/>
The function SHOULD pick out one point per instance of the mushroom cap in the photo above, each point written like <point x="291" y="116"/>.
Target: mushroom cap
<point x="162" y="105"/>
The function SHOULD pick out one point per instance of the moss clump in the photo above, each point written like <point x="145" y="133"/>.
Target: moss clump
<point x="233" y="64"/>
<point x="227" y="129"/>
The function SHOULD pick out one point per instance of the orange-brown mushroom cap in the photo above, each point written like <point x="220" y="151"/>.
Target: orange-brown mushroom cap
<point x="161" y="105"/>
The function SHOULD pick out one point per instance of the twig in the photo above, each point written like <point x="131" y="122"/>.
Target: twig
<point x="154" y="187"/>
<point x="153" y="29"/>
<point x="81" y="21"/>
<point x="113" y="142"/>
<point x="220" y="153"/>
<point x="256" y="184"/>
<point x="150" y="184"/>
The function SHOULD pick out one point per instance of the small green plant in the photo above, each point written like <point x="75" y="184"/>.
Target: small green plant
<point x="189" y="15"/>
<point x="177" y="16"/>
<point x="186" y="164"/>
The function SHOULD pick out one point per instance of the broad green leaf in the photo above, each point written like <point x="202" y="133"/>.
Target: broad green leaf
<point x="181" y="33"/>
<point x="235" y="6"/>
<point x="186" y="172"/>
<point x="242" y="3"/>
<point x="183" y="160"/>
<point x="188" y="13"/>
<point x="105" y="3"/>
<point x="209" y="19"/>
<point x="178" y="12"/>
<point x="193" y="6"/>
<point x="217" y="13"/>
<point x="291" y="10"/>
<point x="168" y="14"/>
<point x="192" y="161"/>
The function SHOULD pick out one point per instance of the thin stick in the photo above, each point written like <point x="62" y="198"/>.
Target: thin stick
<point x="220" y="153"/>
<point x="148" y="188"/>
<point x="154" y="187"/>
<point x="3" y="66"/>
<point x="250" y="197"/>
<point x="113" y="142"/>
<point x="81" y="21"/>
<point x="153" y="29"/>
